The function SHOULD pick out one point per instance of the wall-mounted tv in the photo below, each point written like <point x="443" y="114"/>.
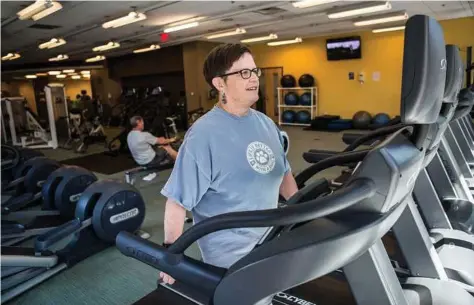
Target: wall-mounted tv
<point x="344" y="48"/>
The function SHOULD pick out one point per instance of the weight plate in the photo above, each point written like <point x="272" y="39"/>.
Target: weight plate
<point x="38" y="173"/>
<point x="70" y="189"/>
<point x="49" y="188"/>
<point x="23" y="168"/>
<point x="120" y="209"/>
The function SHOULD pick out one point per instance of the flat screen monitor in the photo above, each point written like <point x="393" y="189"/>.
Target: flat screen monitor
<point x="344" y="48"/>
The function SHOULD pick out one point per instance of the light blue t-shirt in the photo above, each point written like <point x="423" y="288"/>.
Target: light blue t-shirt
<point x="228" y="164"/>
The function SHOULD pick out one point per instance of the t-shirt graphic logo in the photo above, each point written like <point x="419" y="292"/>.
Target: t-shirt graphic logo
<point x="260" y="157"/>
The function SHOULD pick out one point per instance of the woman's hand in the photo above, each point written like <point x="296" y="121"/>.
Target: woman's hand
<point x="166" y="279"/>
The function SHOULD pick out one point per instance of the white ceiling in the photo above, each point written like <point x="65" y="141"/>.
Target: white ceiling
<point x="79" y="22"/>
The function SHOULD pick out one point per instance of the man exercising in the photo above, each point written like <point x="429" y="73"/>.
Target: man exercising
<point x="140" y="144"/>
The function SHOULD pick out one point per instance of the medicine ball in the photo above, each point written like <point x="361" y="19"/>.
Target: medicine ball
<point x="306" y="80"/>
<point x="380" y="119"/>
<point x="303" y="117"/>
<point x="361" y="120"/>
<point x="288" y="81"/>
<point x="291" y="99"/>
<point x="288" y="116"/>
<point x="305" y="99"/>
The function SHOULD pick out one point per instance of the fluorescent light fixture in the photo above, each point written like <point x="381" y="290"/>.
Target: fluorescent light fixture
<point x="59" y="57"/>
<point x="11" y="56"/>
<point x="54" y="72"/>
<point x="186" y="21"/>
<point x="41" y="74"/>
<point x="56" y="6"/>
<point x="52" y="43"/>
<point x="108" y="46"/>
<point x="283" y="42"/>
<point x="262" y="38"/>
<point x="30" y="76"/>
<point x="128" y="19"/>
<point x="309" y="3"/>
<point x="85" y="72"/>
<point x="60" y="76"/>
<point x="97" y="58"/>
<point x="359" y="9"/>
<point x="181" y="27"/>
<point x="86" y="75"/>
<point x="400" y="16"/>
<point x="76" y="77"/>
<point x="69" y="71"/>
<point x="39" y="9"/>
<point x="150" y="48"/>
<point x="237" y="31"/>
<point x="393" y="28"/>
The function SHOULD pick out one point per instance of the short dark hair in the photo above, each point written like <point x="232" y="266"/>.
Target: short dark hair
<point x="221" y="58"/>
<point x="134" y="120"/>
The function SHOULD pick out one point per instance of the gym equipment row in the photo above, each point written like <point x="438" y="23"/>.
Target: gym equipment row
<point x="341" y="229"/>
<point x="442" y="200"/>
<point x="79" y="217"/>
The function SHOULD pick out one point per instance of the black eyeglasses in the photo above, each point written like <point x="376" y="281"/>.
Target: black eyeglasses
<point x="245" y="73"/>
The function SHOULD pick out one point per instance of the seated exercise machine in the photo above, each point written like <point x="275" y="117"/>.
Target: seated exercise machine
<point x="103" y="210"/>
<point x="313" y="235"/>
<point x="24" y="128"/>
<point x="59" y="196"/>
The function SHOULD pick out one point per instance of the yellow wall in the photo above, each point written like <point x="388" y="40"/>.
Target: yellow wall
<point x="197" y="89"/>
<point x="380" y="53"/>
<point x="74" y="87"/>
<point x="107" y="88"/>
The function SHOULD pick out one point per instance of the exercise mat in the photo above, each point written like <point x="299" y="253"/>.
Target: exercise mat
<point x="102" y="163"/>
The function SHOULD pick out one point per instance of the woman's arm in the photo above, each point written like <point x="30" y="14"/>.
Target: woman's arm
<point x="288" y="186"/>
<point x="175" y="215"/>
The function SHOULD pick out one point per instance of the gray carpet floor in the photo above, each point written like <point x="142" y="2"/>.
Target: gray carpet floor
<point x="112" y="278"/>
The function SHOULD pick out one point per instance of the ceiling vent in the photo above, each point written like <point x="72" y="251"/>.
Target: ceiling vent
<point x="271" y="11"/>
<point x="40" y="26"/>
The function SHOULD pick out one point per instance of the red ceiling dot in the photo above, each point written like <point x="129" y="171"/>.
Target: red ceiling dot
<point x="164" y="37"/>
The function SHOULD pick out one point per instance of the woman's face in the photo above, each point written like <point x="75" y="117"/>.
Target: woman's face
<point x="238" y="89"/>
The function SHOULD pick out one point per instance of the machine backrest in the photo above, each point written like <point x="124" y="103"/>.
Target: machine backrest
<point x="454" y="74"/>
<point x="323" y="245"/>
<point x="423" y="80"/>
<point x="454" y="77"/>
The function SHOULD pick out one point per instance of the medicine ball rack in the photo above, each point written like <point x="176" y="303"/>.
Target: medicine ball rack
<point x="313" y="107"/>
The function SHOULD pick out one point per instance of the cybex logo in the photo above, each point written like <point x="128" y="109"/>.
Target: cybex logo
<point x="74" y="198"/>
<point x="124" y="216"/>
<point x="293" y="299"/>
<point x="143" y="256"/>
<point x="444" y="63"/>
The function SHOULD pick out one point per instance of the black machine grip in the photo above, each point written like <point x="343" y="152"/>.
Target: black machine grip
<point x="316" y="155"/>
<point x="355" y="191"/>
<point x="340" y="159"/>
<point x="12" y="227"/>
<point x="19" y="202"/>
<point x="370" y="137"/>
<point x="349" y="138"/>
<point x="184" y="269"/>
<point x="206" y="277"/>
<point x="46" y="240"/>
